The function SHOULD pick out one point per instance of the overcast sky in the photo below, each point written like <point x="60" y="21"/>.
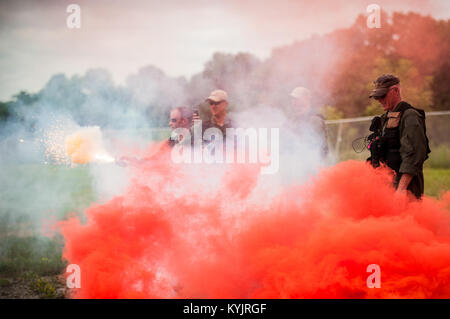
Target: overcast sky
<point x="176" y="36"/>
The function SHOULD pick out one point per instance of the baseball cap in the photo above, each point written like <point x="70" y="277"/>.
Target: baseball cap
<point x="382" y="85"/>
<point x="218" y="96"/>
<point x="300" y="92"/>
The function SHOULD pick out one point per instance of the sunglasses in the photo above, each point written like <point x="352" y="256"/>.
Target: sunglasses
<point x="214" y="103"/>
<point x="383" y="96"/>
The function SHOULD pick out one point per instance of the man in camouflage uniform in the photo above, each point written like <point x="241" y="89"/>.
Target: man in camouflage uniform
<point x="402" y="144"/>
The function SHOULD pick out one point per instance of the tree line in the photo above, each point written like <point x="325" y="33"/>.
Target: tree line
<point x="338" y="68"/>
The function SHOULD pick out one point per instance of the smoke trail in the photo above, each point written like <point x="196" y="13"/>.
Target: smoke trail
<point x="34" y="158"/>
<point x="197" y="231"/>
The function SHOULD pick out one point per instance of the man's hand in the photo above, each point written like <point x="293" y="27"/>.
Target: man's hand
<point x="404" y="182"/>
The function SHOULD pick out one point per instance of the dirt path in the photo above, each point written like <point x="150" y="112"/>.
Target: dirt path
<point x="30" y="286"/>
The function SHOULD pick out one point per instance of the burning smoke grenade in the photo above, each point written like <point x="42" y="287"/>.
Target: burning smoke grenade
<point x="199" y="231"/>
<point x="86" y="145"/>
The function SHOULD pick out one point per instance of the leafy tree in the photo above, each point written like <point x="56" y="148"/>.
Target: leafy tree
<point x="331" y="113"/>
<point x="22" y="103"/>
<point x="374" y="108"/>
<point x="339" y="68"/>
<point x="25" y="98"/>
<point x="4" y="111"/>
<point x="440" y="88"/>
<point x="234" y="74"/>
<point x="415" y="87"/>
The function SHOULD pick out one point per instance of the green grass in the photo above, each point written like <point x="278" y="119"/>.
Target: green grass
<point x="33" y="193"/>
<point x="31" y="266"/>
<point x="439" y="157"/>
<point x="436" y="181"/>
<point x="39" y="255"/>
<point x="46" y="288"/>
<point x="4" y="283"/>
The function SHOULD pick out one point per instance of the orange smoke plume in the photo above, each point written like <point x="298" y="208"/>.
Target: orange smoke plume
<point x="86" y="145"/>
<point x="191" y="231"/>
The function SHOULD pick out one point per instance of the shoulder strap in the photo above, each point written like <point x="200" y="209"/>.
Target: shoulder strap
<point x="383" y="119"/>
<point x="403" y="107"/>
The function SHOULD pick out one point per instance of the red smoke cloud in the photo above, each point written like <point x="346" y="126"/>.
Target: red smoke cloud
<point x="205" y="232"/>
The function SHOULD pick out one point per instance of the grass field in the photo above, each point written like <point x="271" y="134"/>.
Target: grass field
<point x="31" y="267"/>
<point x="30" y="264"/>
<point x="436" y="181"/>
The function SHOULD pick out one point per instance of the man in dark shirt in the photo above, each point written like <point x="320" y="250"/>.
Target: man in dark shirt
<point x="404" y="141"/>
<point x="218" y="103"/>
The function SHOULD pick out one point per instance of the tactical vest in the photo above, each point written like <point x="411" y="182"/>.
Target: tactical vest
<point x="390" y="122"/>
